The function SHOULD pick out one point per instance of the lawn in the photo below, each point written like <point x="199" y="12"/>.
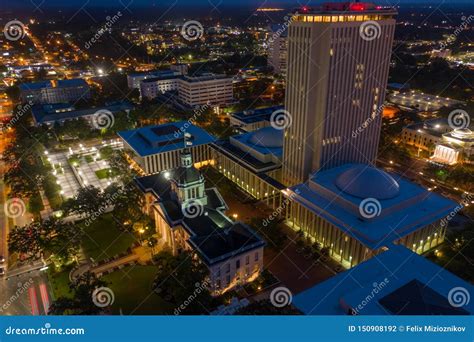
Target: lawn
<point x="103" y="239"/>
<point x="132" y="291"/>
<point x="59" y="281"/>
<point x="106" y="173"/>
<point x="74" y="160"/>
<point x="102" y="174"/>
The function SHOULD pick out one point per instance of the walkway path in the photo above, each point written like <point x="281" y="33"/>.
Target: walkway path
<point x="139" y="254"/>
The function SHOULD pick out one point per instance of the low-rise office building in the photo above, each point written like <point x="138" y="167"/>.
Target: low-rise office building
<point x="251" y="120"/>
<point x="253" y="162"/>
<point x="192" y="91"/>
<point x="450" y="145"/>
<point x="208" y="89"/>
<point x="154" y="87"/>
<point x="134" y="80"/>
<point x="420" y="101"/>
<point x="57" y="91"/>
<point x="51" y="114"/>
<point x="425" y="135"/>
<point x="153" y="149"/>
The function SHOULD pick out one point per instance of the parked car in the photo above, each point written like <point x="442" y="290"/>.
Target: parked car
<point x="2" y="259"/>
<point x="2" y="271"/>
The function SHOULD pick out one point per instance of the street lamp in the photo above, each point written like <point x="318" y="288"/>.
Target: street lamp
<point x="141" y="231"/>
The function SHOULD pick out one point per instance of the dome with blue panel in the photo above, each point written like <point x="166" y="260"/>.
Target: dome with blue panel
<point x="365" y="181"/>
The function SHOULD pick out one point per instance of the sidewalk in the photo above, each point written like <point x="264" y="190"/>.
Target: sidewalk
<point x="140" y="254"/>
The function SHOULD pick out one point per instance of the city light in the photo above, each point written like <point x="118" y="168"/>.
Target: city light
<point x="162" y="160"/>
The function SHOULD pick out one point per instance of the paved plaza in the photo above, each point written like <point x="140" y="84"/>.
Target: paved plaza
<point x="84" y="167"/>
<point x="88" y="176"/>
<point x="64" y="175"/>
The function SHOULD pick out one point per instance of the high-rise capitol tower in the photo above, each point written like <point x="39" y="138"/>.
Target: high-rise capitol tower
<point x="337" y="71"/>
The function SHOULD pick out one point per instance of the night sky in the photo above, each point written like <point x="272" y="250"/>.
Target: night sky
<point x="193" y="3"/>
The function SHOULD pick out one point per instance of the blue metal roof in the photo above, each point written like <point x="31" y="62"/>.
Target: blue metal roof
<point x="412" y="209"/>
<point x="35" y="85"/>
<point x="256" y="115"/>
<point x="366" y="287"/>
<point x="156" y="73"/>
<point x="266" y="140"/>
<point x="74" y="82"/>
<point x="51" y="112"/>
<point x="155" y="139"/>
